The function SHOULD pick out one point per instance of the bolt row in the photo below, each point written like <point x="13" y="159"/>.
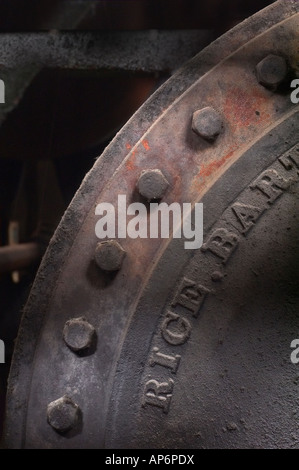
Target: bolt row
<point x="208" y="124"/>
<point x="64" y="414"/>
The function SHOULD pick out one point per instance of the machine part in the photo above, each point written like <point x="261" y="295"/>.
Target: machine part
<point x="19" y="256"/>
<point x="63" y="414"/>
<point x="24" y="55"/>
<point x="207" y="123"/>
<point x="272" y="71"/>
<point x="147" y="51"/>
<point x="78" y="334"/>
<point x="18" y="77"/>
<point x="152" y="184"/>
<point x="109" y="255"/>
<point x="14" y="239"/>
<point x="194" y="347"/>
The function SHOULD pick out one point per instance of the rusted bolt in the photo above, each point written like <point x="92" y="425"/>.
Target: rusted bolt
<point x="109" y="255"/>
<point x="272" y="71"/>
<point x="207" y="123"/>
<point x="63" y="414"/>
<point x="152" y="184"/>
<point x="78" y="334"/>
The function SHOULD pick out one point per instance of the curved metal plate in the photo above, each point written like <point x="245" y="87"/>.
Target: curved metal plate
<point x="215" y="386"/>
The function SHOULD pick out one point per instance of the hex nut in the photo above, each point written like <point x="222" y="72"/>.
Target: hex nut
<point x="207" y="123"/>
<point x="78" y="334"/>
<point x="109" y="255"/>
<point x="272" y="71"/>
<point x="63" y="414"/>
<point x="152" y="184"/>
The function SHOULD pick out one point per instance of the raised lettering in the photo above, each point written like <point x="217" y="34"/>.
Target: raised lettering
<point x="290" y="160"/>
<point x="245" y="216"/>
<point x="158" y="394"/>
<point x="222" y="243"/>
<point x="164" y="360"/>
<point x="190" y="296"/>
<point x="271" y="184"/>
<point x="175" y="329"/>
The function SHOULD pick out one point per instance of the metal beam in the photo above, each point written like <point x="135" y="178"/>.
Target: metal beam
<point x="147" y="51"/>
<point x="23" y="55"/>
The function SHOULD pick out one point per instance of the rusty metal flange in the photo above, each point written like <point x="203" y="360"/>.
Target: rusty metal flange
<point x="190" y="348"/>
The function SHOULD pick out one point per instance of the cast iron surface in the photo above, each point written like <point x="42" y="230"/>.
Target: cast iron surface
<point x="192" y="348"/>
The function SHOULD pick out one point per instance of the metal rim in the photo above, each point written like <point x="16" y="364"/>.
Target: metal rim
<point x="154" y="111"/>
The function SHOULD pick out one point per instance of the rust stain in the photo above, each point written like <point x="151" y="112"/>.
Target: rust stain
<point x="242" y="108"/>
<point x="146" y="145"/>
<point x="130" y="163"/>
<point x="197" y="184"/>
<point x="208" y="170"/>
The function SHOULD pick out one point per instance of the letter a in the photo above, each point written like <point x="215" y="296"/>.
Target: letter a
<point x="105" y="227"/>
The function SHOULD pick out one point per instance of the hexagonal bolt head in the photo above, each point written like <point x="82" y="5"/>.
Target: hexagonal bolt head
<point x="109" y="255"/>
<point x="78" y="334"/>
<point x="272" y="71"/>
<point x="152" y="184"/>
<point x="63" y="414"/>
<point x="207" y="123"/>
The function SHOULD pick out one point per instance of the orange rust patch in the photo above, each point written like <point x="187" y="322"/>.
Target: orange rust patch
<point x="128" y="146"/>
<point x="242" y="108"/>
<point x="130" y="163"/>
<point x="207" y="170"/>
<point x="146" y="145"/>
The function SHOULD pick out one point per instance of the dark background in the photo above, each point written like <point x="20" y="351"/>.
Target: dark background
<point x="28" y="15"/>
